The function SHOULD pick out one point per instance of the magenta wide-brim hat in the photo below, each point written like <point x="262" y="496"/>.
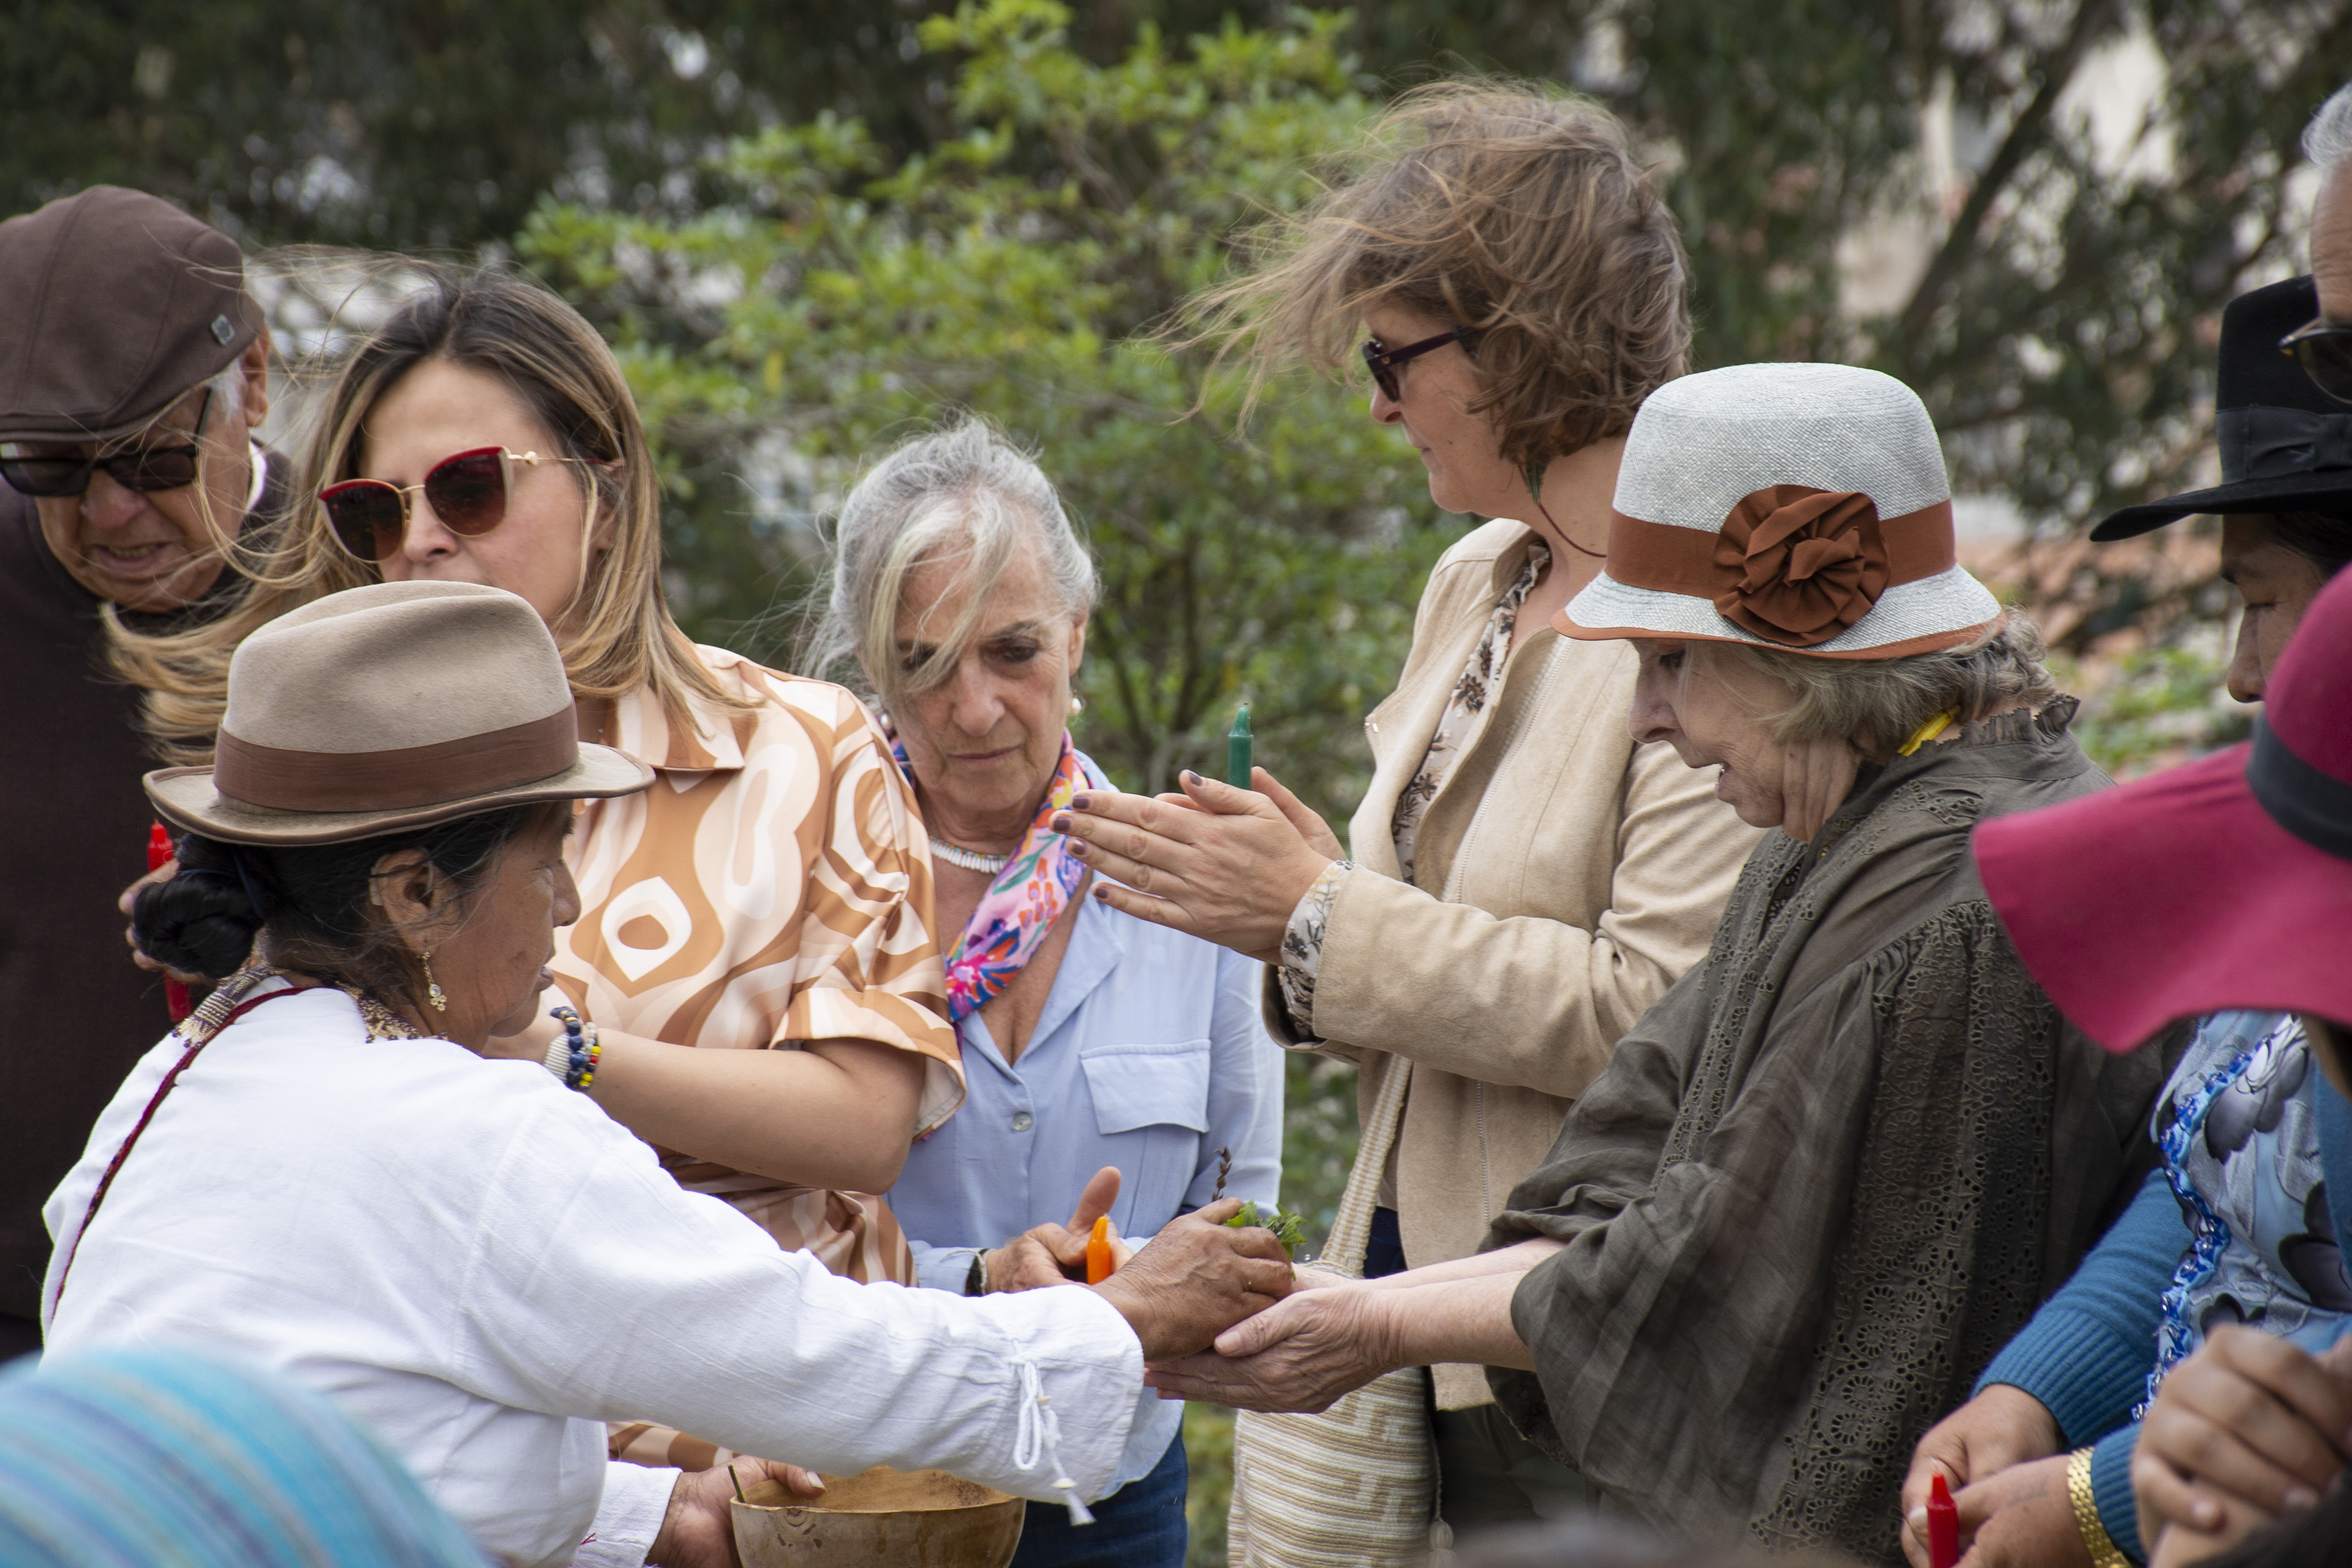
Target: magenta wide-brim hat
<point x="2169" y="897"/>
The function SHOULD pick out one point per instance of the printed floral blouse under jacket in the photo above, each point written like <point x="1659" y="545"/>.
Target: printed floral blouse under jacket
<point x="774" y="887"/>
<point x="1458" y="728"/>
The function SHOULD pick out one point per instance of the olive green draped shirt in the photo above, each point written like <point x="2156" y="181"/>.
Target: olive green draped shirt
<point x="1827" y="1176"/>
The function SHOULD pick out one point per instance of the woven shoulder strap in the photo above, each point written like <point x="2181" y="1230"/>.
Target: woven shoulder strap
<point x="1351" y="1228"/>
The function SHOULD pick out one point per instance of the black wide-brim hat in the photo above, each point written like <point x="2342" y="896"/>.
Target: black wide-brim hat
<point x="2285" y="444"/>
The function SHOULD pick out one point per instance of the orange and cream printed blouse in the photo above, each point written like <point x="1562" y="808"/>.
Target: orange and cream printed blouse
<point x="774" y="887"/>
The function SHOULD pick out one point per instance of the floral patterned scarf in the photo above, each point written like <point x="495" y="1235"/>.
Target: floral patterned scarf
<point x="1027" y="897"/>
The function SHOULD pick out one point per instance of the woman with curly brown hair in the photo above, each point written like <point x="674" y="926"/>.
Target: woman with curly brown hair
<point x="1526" y="881"/>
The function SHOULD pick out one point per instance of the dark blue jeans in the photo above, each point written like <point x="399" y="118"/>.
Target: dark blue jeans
<point x="1141" y="1525"/>
<point x="1383" y="1250"/>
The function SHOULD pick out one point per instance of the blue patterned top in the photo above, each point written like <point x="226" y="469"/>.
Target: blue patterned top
<point x="2238" y="1128"/>
<point x="2234" y="1229"/>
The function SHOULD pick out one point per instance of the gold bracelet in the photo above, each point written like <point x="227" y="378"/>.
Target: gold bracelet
<point x="2104" y="1552"/>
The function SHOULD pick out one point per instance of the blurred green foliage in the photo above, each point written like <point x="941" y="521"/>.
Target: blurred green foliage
<point x="2153" y="707"/>
<point x="839" y="295"/>
<point x="425" y="124"/>
<point x="1209" y="1450"/>
<point x="1318" y="1141"/>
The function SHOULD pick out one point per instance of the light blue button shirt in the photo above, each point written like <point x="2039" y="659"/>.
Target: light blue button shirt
<point x="1148" y="1056"/>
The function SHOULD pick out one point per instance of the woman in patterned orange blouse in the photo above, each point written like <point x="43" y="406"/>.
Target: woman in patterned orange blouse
<point x="755" y="945"/>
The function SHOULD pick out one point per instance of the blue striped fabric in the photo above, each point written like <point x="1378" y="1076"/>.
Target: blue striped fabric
<point x="131" y="1458"/>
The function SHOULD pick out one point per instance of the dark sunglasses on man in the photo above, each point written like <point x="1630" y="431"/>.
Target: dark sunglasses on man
<point x="1383" y="361"/>
<point x="2325" y="349"/>
<point x="467" y="492"/>
<point x="33" y="471"/>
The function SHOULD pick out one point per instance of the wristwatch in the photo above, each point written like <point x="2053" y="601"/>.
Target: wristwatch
<point x="975" y="1279"/>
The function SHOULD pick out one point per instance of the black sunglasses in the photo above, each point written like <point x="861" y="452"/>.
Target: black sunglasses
<point x="1384" y="362"/>
<point x="2325" y="349"/>
<point x="467" y="492"/>
<point x="144" y="468"/>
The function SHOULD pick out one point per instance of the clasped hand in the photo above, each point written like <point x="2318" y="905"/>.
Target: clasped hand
<point x="1196" y="1278"/>
<point x="2001" y="1454"/>
<point x="1222" y="864"/>
<point x="2246" y="1429"/>
<point x="1299" y="1354"/>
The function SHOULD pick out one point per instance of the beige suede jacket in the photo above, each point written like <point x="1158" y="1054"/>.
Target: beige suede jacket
<point x="1564" y="877"/>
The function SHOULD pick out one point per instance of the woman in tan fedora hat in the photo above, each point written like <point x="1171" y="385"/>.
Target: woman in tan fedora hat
<point x="755" y="941"/>
<point x="1824" y="1178"/>
<point x="332" y="1170"/>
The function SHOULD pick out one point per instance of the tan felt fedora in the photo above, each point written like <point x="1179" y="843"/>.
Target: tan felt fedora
<point x="392" y="705"/>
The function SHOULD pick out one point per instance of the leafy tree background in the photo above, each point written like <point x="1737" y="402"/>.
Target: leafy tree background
<point x="811" y="230"/>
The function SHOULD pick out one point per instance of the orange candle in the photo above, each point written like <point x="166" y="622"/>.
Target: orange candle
<point x="1100" y="1267"/>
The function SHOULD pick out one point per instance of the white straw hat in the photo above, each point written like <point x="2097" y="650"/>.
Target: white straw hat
<point x="1802" y="507"/>
<point x="395" y="705"/>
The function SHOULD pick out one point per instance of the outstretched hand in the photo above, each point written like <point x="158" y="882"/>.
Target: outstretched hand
<point x="1051" y="1254"/>
<point x="1300" y="1354"/>
<point x="1224" y="864"/>
<point x="1196" y="1278"/>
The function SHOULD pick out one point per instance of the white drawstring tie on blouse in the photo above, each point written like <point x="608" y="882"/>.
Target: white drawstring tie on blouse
<point x="1039" y="1435"/>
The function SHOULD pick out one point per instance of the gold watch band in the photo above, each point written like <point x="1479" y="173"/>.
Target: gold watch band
<point x="2104" y="1552"/>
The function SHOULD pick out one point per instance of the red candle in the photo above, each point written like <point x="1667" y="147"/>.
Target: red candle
<point x="1943" y="1525"/>
<point x="159" y="855"/>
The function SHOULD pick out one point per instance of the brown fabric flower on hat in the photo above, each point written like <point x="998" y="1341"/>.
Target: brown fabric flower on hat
<point x="1800" y="565"/>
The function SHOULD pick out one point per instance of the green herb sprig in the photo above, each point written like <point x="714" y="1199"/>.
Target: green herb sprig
<point x="1288" y="1228"/>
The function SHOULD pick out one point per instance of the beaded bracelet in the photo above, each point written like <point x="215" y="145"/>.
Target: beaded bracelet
<point x="573" y="1057"/>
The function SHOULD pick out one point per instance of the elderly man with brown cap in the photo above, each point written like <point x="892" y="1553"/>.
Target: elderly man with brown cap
<point x="133" y="371"/>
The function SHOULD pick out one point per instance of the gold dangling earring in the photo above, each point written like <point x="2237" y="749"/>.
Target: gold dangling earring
<point x="433" y="996"/>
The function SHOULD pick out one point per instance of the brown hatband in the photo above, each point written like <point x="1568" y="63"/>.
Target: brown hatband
<point x="1792" y="565"/>
<point x="410" y="776"/>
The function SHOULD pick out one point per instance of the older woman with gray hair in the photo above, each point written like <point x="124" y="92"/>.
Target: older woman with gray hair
<point x="1114" y="1066"/>
<point x="1827" y="1176"/>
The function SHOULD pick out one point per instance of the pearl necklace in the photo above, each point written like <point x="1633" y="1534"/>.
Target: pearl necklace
<point x="970" y="859"/>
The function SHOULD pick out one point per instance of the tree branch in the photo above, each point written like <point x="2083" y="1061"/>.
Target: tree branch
<point x="2091" y="18"/>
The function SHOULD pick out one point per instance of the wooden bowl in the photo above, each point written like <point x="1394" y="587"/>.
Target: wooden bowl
<point x="883" y="1518"/>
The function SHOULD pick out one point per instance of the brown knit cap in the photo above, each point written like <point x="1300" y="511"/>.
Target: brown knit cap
<point x="119" y="304"/>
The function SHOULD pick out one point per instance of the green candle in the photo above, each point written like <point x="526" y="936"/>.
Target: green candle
<point x="1237" y="749"/>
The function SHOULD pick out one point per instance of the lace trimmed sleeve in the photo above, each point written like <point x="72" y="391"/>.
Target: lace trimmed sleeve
<point x="1302" y="946"/>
